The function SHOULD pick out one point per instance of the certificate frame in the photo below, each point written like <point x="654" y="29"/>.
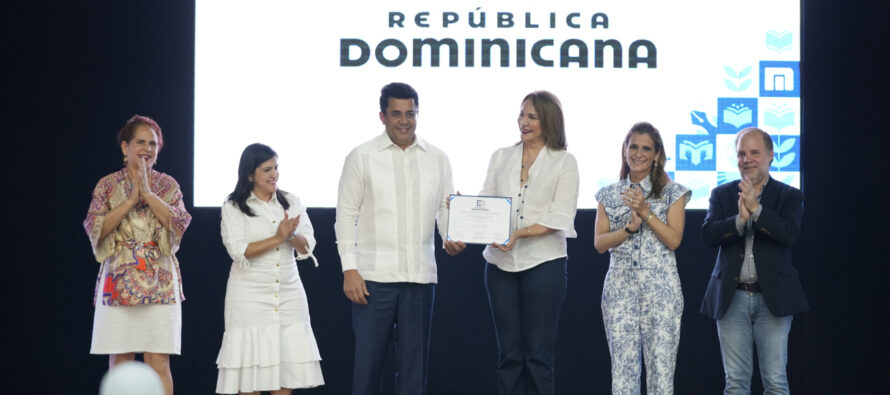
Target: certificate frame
<point x="480" y="219"/>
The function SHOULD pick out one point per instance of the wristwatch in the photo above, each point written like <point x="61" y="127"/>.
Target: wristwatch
<point x="630" y="232"/>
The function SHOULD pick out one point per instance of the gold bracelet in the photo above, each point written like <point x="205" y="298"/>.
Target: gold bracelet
<point x="648" y="217"/>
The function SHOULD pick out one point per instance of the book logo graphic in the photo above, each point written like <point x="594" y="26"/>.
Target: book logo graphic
<point x="778" y="117"/>
<point x="778" y="42"/>
<point x="695" y="152"/>
<point x="737" y="76"/>
<point x="734" y="114"/>
<point x="779" y="79"/>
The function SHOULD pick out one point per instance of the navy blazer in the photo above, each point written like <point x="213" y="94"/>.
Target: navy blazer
<point x="776" y="230"/>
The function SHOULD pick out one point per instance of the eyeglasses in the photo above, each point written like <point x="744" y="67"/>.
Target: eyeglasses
<point x="399" y="115"/>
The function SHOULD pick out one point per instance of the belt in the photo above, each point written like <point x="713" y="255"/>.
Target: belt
<point x="749" y="287"/>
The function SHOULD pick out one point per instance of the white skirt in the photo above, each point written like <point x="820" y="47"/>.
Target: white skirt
<point x="268" y="343"/>
<point x="154" y="328"/>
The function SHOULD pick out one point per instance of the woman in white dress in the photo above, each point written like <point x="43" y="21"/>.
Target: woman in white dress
<point x="268" y="344"/>
<point x="135" y="222"/>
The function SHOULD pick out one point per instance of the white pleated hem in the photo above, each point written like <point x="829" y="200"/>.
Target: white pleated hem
<point x="269" y="378"/>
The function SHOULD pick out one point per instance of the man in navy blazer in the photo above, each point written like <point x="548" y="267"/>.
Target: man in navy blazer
<point x="754" y="289"/>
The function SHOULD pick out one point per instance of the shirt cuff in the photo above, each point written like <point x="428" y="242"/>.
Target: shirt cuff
<point x="347" y="262"/>
<point x="756" y="214"/>
<point x="739" y="225"/>
<point x="301" y="257"/>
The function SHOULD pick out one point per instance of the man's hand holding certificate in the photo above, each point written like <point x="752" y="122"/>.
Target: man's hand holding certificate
<point x="479" y="219"/>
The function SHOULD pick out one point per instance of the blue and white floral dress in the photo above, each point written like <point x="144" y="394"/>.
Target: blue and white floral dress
<point x="642" y="301"/>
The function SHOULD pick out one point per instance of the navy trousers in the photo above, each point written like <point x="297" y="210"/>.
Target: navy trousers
<point x="526" y="306"/>
<point x="398" y="315"/>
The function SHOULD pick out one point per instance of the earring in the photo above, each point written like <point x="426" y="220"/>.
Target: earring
<point x="125" y="160"/>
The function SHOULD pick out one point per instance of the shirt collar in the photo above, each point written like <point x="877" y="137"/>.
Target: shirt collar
<point x="383" y="142"/>
<point x="258" y="200"/>
<point x="645" y="184"/>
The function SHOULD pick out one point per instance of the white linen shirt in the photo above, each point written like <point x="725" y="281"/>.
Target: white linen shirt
<point x="387" y="206"/>
<point x="549" y="198"/>
<point x="238" y="230"/>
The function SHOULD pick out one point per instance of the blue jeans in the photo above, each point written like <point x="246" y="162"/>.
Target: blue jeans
<point x="399" y="315"/>
<point x="749" y="323"/>
<point x="525" y="307"/>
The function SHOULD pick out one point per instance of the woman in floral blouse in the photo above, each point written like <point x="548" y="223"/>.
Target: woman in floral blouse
<point x="639" y="220"/>
<point x="135" y="223"/>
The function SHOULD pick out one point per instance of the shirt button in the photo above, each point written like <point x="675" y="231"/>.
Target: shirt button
<point x="276" y="295"/>
<point x="520" y="194"/>
<point x="521" y="217"/>
<point x="273" y="221"/>
<point x="517" y="210"/>
<point x="525" y="186"/>
<point x="276" y="248"/>
<point x="635" y="263"/>
<point x="276" y="309"/>
<point x="276" y="281"/>
<point x="277" y="265"/>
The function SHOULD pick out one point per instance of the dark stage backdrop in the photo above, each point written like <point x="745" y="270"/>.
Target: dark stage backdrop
<point x="74" y="72"/>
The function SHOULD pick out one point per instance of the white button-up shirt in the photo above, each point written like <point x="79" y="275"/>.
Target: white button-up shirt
<point x="549" y="198"/>
<point x="388" y="203"/>
<point x="238" y="230"/>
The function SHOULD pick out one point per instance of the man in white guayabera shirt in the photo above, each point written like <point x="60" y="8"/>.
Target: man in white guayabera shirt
<point x="392" y="191"/>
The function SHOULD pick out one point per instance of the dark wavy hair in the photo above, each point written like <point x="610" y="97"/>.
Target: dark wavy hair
<point x="657" y="175"/>
<point x="397" y="90"/>
<point x="253" y="156"/>
<point x="552" y="123"/>
<point x="126" y="132"/>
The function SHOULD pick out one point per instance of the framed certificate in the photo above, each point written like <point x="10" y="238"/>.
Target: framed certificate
<point x="479" y="219"/>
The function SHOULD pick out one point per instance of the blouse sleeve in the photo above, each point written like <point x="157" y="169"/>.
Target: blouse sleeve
<point x="170" y="236"/>
<point x="234" y="233"/>
<point x="99" y="208"/>
<point x="304" y="228"/>
<point x="490" y="187"/>
<point x="678" y="192"/>
<point x="565" y="199"/>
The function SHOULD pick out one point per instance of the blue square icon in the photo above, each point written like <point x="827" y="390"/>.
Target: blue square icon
<point x="735" y="113"/>
<point x="696" y="152"/>
<point x="779" y="78"/>
<point x="786" y="153"/>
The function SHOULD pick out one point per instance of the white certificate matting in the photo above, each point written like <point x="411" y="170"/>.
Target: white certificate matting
<point x="479" y="219"/>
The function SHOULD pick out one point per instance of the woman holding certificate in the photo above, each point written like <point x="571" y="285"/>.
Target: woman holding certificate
<point x="526" y="277"/>
<point x="639" y="220"/>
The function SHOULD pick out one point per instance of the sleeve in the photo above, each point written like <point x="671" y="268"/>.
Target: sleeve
<point x="234" y="233"/>
<point x="565" y="199"/>
<point x="719" y="227"/>
<point x="679" y="192"/>
<point x="170" y="237"/>
<point x="349" y="200"/>
<point x="99" y="208"/>
<point x="782" y="225"/>
<point x="601" y="194"/>
<point x="447" y="189"/>
<point x="304" y="229"/>
<point x="490" y="186"/>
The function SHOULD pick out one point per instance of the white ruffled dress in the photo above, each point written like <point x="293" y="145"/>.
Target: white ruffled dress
<point x="268" y="342"/>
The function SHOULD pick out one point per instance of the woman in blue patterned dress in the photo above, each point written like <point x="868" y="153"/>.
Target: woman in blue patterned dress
<point x="639" y="220"/>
